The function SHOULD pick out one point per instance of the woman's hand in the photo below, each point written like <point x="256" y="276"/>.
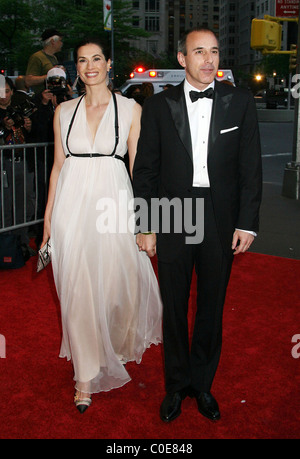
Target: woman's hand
<point x="47" y="232"/>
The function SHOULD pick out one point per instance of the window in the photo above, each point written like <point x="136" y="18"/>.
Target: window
<point x="152" y="24"/>
<point x="152" y="46"/>
<point x="135" y="21"/>
<point x="152" y="5"/>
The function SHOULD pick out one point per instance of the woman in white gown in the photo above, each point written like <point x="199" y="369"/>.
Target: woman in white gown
<point x="110" y="301"/>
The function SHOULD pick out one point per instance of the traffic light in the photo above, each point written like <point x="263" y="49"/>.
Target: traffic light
<point x="293" y="58"/>
<point x="265" y="35"/>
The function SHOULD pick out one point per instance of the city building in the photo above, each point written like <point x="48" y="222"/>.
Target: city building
<point x="166" y="20"/>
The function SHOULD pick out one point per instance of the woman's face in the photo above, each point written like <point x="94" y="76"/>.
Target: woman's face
<point x="5" y="102"/>
<point x="92" y="67"/>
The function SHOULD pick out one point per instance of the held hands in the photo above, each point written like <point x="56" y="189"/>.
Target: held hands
<point x="147" y="243"/>
<point x="241" y="241"/>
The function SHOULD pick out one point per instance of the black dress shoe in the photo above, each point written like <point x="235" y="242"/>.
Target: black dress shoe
<point x="207" y="405"/>
<point x="171" y="407"/>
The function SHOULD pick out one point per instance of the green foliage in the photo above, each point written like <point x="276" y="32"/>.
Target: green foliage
<point x="15" y="15"/>
<point x="22" y="23"/>
<point x="275" y="62"/>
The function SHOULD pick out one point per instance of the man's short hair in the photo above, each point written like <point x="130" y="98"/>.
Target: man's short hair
<point x="182" y="41"/>
<point x="50" y="33"/>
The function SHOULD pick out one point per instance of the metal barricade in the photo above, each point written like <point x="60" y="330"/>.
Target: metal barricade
<point x="24" y="175"/>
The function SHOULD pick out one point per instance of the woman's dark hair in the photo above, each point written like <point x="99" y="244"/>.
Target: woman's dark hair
<point x="94" y="41"/>
<point x="10" y="83"/>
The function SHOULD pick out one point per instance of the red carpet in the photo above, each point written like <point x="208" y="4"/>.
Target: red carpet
<point x="257" y="383"/>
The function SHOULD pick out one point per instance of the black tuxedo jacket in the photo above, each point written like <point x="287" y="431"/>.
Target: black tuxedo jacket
<point x="164" y="161"/>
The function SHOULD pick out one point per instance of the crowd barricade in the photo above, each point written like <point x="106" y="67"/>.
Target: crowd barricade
<point x="24" y="174"/>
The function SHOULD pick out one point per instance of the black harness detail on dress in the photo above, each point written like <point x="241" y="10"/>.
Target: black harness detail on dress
<point x="96" y="155"/>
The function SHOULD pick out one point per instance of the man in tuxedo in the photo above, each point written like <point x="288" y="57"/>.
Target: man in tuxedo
<point x="198" y="147"/>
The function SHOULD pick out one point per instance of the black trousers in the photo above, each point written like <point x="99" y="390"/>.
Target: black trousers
<point x="194" y="364"/>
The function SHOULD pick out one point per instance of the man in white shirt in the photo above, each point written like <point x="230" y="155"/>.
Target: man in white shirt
<point x="199" y="141"/>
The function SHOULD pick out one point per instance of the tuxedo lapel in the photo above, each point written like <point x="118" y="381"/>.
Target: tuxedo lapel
<point x="219" y="112"/>
<point x="176" y="102"/>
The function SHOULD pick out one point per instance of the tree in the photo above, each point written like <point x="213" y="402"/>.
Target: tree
<point x="276" y="62"/>
<point x="22" y="23"/>
<point x="78" y="19"/>
<point x="15" y="17"/>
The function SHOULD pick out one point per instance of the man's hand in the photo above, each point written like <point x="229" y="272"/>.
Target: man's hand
<point x="46" y="96"/>
<point x="241" y="241"/>
<point x="147" y="243"/>
<point x="8" y="123"/>
<point x="27" y="124"/>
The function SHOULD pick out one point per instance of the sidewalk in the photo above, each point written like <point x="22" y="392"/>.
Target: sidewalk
<point x="279" y="233"/>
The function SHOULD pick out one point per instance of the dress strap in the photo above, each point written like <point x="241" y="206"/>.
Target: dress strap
<point x="96" y="155"/>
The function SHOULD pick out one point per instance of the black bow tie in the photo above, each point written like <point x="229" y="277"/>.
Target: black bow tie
<point x="195" y="95"/>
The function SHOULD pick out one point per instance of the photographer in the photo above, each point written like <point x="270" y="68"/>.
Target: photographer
<point x="46" y="102"/>
<point x="56" y="91"/>
<point x="12" y="132"/>
<point x="15" y="129"/>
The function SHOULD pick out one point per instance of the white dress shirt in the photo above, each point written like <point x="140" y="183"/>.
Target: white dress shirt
<point x="199" y="114"/>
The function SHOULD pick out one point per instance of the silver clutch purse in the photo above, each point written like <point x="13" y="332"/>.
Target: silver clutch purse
<point x="44" y="257"/>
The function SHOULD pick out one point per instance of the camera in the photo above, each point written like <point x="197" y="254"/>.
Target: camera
<point x="18" y="112"/>
<point x="57" y="84"/>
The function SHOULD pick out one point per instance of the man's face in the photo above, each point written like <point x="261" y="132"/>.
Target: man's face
<point x="201" y="62"/>
<point x="5" y="101"/>
<point x="58" y="44"/>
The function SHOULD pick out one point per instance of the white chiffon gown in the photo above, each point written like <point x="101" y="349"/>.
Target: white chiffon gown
<point x="110" y="302"/>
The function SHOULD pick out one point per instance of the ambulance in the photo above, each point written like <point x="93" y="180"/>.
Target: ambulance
<point x="161" y="77"/>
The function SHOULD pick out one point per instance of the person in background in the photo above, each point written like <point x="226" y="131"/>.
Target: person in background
<point x="42" y="131"/>
<point x="42" y="61"/>
<point x="15" y="130"/>
<point x="21" y="92"/>
<point x="167" y="86"/>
